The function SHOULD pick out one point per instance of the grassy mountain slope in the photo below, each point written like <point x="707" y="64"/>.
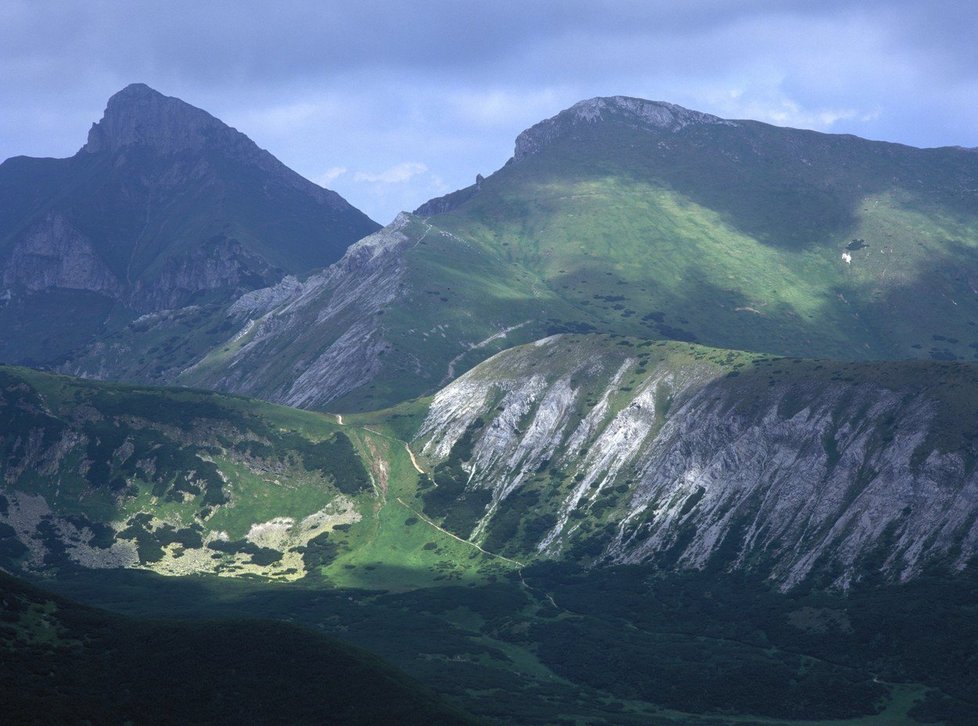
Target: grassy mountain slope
<point x="591" y="448"/>
<point x="100" y="468"/>
<point x="657" y="219"/>
<point x="406" y="310"/>
<point x="721" y="492"/>
<point x="64" y="663"/>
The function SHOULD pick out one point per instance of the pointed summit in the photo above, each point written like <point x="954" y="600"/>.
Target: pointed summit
<point x="164" y="207"/>
<point x="140" y="116"/>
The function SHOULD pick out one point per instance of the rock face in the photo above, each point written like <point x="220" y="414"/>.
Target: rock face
<point x="655" y="454"/>
<point x="392" y="320"/>
<point x="52" y="254"/>
<point x="163" y="207"/>
<point x="448" y="202"/>
<point x="636" y="112"/>
<point x="223" y="265"/>
<point x="140" y="116"/>
<point x="327" y="328"/>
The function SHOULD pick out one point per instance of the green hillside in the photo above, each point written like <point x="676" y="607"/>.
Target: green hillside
<point x="670" y="420"/>
<point x="733" y="233"/>
<point x="372" y="331"/>
<point x="606" y="450"/>
<point x="107" y="487"/>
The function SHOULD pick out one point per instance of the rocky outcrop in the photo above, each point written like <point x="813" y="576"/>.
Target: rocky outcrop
<point x="138" y="116"/>
<point x="820" y="491"/>
<point x="327" y="328"/>
<point x="221" y="265"/>
<point x="54" y="254"/>
<point x="802" y="476"/>
<point x="448" y="202"/>
<point x="636" y="112"/>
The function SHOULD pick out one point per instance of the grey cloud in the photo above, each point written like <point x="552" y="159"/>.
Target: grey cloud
<point x="299" y="42"/>
<point x="268" y="42"/>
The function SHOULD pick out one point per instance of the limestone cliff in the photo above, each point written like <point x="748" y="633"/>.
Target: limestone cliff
<point x="53" y="254"/>
<point x="698" y="459"/>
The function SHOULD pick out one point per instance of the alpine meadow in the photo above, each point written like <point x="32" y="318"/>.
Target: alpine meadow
<point x="671" y="419"/>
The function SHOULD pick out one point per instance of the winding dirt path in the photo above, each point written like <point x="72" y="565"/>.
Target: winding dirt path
<point x="414" y="461"/>
<point x="430" y="523"/>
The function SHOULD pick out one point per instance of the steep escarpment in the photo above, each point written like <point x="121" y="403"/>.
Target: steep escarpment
<point x="53" y="254"/>
<point x="614" y="450"/>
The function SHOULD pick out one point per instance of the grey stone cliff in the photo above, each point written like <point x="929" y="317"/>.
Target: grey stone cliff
<point x="802" y="480"/>
<point x="639" y="113"/>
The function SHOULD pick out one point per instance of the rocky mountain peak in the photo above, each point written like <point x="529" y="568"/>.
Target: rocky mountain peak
<point x="637" y="112"/>
<point x="655" y="114"/>
<point x="140" y="116"/>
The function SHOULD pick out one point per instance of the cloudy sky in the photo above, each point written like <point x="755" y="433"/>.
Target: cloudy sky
<point x="393" y="102"/>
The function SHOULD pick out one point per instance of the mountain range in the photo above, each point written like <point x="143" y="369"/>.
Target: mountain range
<point x="699" y="387"/>
<point x="802" y="524"/>
<point x="617" y="215"/>
<point x="592" y="449"/>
